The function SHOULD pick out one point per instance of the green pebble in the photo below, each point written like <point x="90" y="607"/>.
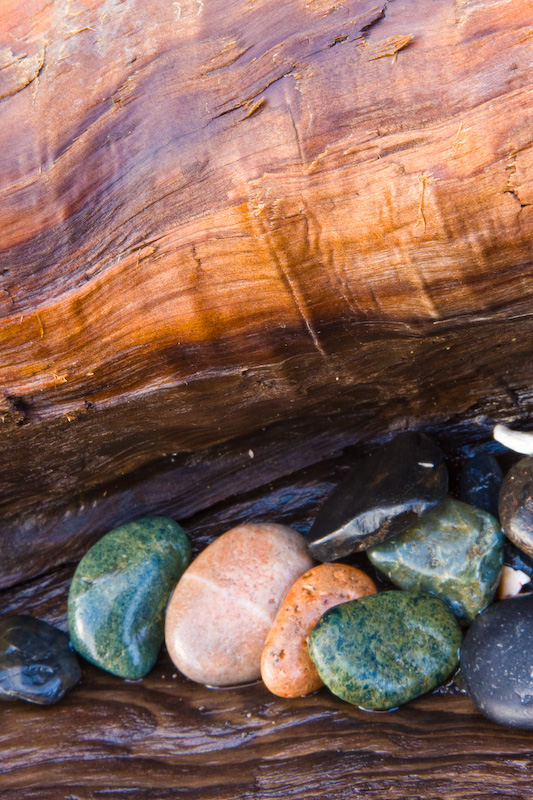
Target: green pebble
<point x="454" y="552"/>
<point x="383" y="650"/>
<point x="119" y="593"/>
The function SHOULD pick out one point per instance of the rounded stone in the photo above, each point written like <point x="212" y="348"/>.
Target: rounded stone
<point x="286" y="666"/>
<point x="222" y="609"/>
<point x="119" y="592"/>
<point x="480" y="481"/>
<point x="36" y="661"/>
<point x="384" y="650"/>
<point x="454" y="552"/>
<point x="497" y="662"/>
<point x="517" y="559"/>
<point x="516" y="504"/>
<point x="382" y="495"/>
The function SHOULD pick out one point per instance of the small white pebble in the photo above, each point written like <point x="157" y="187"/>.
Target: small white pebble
<point x="511" y="582"/>
<point x="519" y="441"/>
<point x="251" y="453"/>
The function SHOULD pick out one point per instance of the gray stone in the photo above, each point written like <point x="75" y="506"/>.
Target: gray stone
<point x="454" y="552"/>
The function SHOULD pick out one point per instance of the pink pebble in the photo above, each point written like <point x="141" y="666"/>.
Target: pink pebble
<point x="223" y="607"/>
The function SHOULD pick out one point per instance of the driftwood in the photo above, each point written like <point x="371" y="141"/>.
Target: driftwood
<point x="216" y="215"/>
<point x="165" y="737"/>
<point x="241" y="241"/>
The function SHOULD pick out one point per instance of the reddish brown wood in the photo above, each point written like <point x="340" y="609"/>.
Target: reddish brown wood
<point x="214" y="215"/>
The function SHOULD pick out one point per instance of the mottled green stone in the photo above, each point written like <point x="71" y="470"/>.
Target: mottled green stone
<point x="454" y="552"/>
<point x="119" y="593"/>
<point x="383" y="650"/>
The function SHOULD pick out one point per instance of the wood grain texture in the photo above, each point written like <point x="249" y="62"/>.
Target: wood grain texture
<point x="166" y="737"/>
<point x="215" y="215"/>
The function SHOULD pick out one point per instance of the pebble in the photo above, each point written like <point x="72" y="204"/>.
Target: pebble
<point x="286" y="666"/>
<point x="222" y="609"/>
<point x="36" y="661"/>
<point x="480" y="480"/>
<point x="455" y="552"/>
<point x="384" y="650"/>
<point x="382" y="495"/>
<point x="119" y="592"/>
<point x="517" y="559"/>
<point x="511" y="582"/>
<point x="516" y="504"/>
<point x="497" y="662"/>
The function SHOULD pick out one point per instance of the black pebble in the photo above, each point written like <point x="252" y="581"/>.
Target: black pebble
<point x="516" y="559"/>
<point x="497" y="662"/>
<point x="36" y="662"/>
<point x="383" y="494"/>
<point x="480" y="480"/>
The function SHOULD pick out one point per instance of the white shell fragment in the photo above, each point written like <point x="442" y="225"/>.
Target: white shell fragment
<point x="519" y="441"/>
<point x="511" y="582"/>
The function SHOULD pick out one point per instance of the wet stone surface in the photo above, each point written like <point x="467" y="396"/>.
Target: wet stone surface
<point x="119" y="593"/>
<point x="497" y="662"/>
<point x="36" y="661"/>
<point x="383" y="650"/>
<point x="286" y="667"/>
<point x="480" y="480"/>
<point x="517" y="559"/>
<point x="382" y="495"/>
<point x="516" y="504"/>
<point x="220" y="613"/>
<point x="454" y="552"/>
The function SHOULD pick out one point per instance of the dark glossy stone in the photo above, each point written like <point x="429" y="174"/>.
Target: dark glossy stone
<point x="383" y="650"/>
<point x="454" y="552"/>
<point x="382" y="495"/>
<point x="480" y="480"/>
<point x="517" y="559"/>
<point x="119" y="593"/>
<point x="516" y="504"/>
<point x="36" y="661"/>
<point x="497" y="662"/>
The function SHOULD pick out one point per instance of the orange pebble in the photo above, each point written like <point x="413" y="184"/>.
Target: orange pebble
<point x="286" y="666"/>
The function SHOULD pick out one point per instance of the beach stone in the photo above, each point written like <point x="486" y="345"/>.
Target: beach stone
<point x="222" y="609"/>
<point x="480" y="480"/>
<point x="511" y="582"/>
<point x="382" y="495"/>
<point x="286" y="666"/>
<point x="497" y="662"/>
<point x="516" y="559"/>
<point x="36" y="661"/>
<point x="516" y="504"/>
<point x="455" y="552"/>
<point x="384" y="650"/>
<point x="119" y="592"/>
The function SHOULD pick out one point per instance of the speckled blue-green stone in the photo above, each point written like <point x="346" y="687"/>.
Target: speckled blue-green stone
<point x="454" y="552"/>
<point x="119" y="593"/>
<point x="384" y="650"/>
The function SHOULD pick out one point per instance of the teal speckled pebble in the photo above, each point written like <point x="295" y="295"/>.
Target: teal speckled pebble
<point x="454" y="552"/>
<point x="119" y="593"/>
<point x="385" y="649"/>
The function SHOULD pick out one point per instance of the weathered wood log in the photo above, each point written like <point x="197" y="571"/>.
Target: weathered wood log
<point x="305" y="224"/>
<point x="216" y="215"/>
